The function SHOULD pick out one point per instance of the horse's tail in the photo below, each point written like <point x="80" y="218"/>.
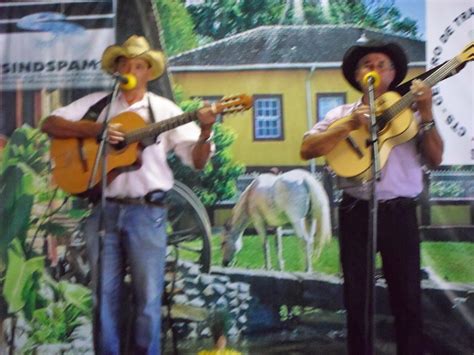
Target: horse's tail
<point x="321" y="211"/>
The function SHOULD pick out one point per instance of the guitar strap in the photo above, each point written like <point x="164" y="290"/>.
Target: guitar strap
<point x="150" y="140"/>
<point x="403" y="88"/>
<point x="94" y="111"/>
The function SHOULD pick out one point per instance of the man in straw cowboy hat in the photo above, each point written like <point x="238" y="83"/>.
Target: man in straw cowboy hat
<point x="401" y="182"/>
<point x="135" y="217"/>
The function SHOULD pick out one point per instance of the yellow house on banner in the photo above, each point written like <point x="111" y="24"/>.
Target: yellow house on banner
<point x="294" y="76"/>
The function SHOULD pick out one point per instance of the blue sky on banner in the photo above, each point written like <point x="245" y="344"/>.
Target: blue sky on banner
<point x="414" y="9"/>
<point x="47" y="44"/>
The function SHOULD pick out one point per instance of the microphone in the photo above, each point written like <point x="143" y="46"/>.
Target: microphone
<point x="371" y="78"/>
<point x="127" y="81"/>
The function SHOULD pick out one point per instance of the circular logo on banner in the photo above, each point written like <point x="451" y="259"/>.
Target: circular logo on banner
<point x="447" y="110"/>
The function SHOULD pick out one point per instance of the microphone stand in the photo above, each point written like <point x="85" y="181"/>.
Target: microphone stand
<point x="372" y="227"/>
<point x="101" y="158"/>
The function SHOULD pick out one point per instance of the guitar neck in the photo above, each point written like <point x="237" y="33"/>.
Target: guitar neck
<point x="432" y="80"/>
<point x="155" y="129"/>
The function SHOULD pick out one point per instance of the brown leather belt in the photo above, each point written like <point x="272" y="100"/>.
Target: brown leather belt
<point x="155" y="198"/>
<point x="398" y="202"/>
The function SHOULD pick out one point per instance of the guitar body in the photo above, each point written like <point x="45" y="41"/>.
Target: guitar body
<point x="73" y="159"/>
<point x="346" y="161"/>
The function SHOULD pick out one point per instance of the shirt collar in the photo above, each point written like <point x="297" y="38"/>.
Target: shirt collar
<point x="143" y="103"/>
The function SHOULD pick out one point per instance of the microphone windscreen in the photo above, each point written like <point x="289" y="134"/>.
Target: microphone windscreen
<point x="131" y="82"/>
<point x="371" y="75"/>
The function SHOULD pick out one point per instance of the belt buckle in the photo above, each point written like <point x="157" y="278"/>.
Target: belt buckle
<point x="156" y="197"/>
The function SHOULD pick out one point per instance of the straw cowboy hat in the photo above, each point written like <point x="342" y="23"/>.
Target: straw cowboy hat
<point x="355" y="53"/>
<point x="134" y="47"/>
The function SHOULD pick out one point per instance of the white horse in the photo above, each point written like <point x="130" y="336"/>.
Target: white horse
<point x="294" y="197"/>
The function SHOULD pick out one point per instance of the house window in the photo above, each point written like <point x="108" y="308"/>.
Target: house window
<point x="326" y="102"/>
<point x="268" y="118"/>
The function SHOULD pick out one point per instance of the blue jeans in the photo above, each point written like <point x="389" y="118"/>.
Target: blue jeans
<point x="135" y="237"/>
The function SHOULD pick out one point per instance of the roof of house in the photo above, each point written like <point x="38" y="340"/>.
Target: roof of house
<point x="287" y="47"/>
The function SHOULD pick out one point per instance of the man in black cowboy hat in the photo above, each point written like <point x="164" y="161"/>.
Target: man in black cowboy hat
<point x="401" y="182"/>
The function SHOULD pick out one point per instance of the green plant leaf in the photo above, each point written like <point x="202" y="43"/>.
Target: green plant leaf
<point x="53" y="228"/>
<point x="30" y="296"/>
<point x="32" y="183"/>
<point x="10" y="180"/>
<point x="76" y="295"/>
<point x="19" y="273"/>
<point x="15" y="280"/>
<point x="19" y="136"/>
<point x="16" y="221"/>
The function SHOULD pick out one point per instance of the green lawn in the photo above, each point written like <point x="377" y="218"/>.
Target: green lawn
<point x="451" y="261"/>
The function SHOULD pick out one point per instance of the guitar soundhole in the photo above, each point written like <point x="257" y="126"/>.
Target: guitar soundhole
<point x="382" y="121"/>
<point x="118" y="146"/>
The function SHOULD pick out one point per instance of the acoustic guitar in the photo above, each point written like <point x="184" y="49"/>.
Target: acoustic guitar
<point x="351" y="158"/>
<point x="73" y="158"/>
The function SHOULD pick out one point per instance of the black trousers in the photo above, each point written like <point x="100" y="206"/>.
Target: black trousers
<point x="399" y="245"/>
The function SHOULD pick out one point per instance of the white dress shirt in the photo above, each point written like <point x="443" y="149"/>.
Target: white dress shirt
<point x="154" y="172"/>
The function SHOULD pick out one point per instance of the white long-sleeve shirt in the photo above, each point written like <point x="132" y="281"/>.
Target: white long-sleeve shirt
<point x="401" y="175"/>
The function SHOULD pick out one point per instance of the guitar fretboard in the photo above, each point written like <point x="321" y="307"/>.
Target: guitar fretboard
<point x="155" y="129"/>
<point x="408" y="98"/>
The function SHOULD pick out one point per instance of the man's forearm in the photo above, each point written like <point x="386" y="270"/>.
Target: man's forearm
<point x="319" y="144"/>
<point x="432" y="145"/>
<point x="59" y="127"/>
<point x="432" y="148"/>
<point x="201" y="153"/>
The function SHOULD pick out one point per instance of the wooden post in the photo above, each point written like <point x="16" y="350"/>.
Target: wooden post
<point x="329" y="186"/>
<point x="37" y="99"/>
<point x="472" y="212"/>
<point x="19" y="105"/>
<point x="425" y="204"/>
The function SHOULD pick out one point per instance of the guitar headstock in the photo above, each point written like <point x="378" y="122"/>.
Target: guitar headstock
<point x="467" y="54"/>
<point x="231" y="104"/>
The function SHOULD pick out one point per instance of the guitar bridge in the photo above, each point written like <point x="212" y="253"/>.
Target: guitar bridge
<point x="354" y="146"/>
<point x="82" y="155"/>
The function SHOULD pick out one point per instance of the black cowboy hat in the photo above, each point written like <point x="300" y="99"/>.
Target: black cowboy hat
<point x="391" y="49"/>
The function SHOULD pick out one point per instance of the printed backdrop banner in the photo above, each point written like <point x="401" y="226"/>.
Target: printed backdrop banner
<point x="52" y="45"/>
<point x="449" y="29"/>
